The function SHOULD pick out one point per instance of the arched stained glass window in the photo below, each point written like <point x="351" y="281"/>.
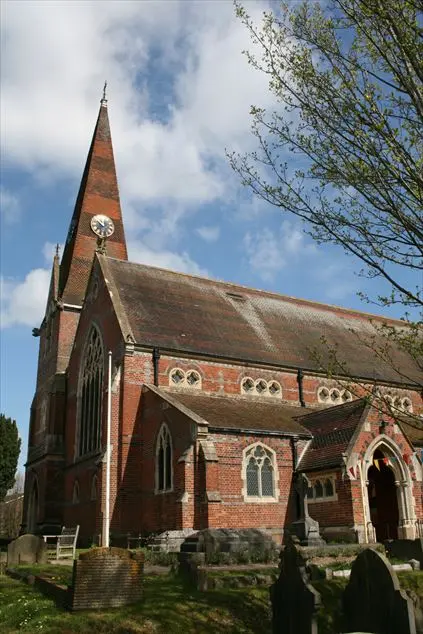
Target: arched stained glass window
<point x="260" y="472"/>
<point x="91" y="395"/>
<point x="164" y="470"/>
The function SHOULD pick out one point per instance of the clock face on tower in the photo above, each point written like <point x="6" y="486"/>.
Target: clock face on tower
<point x="102" y="226"/>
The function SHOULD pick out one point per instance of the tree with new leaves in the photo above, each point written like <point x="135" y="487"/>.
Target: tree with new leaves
<point x="343" y="147"/>
<point x="10" y="446"/>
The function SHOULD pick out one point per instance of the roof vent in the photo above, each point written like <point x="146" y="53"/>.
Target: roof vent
<point x="236" y="296"/>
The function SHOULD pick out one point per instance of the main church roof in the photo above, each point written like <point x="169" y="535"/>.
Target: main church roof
<point x="194" y="315"/>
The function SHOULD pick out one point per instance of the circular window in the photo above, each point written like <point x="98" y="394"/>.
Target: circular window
<point x="274" y="388"/>
<point x="323" y="394"/>
<point x="406" y="405"/>
<point x="247" y="385"/>
<point x="261" y="386"/>
<point x="335" y="396"/>
<point x="193" y="378"/>
<point x="177" y="376"/>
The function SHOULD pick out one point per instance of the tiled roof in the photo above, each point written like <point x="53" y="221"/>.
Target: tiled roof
<point x="413" y="429"/>
<point x="196" y="315"/>
<point x="240" y="413"/>
<point x="332" y="430"/>
<point x="98" y="193"/>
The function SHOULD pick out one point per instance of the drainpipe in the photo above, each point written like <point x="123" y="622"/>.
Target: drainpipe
<point x="300" y="376"/>
<point x="155" y="359"/>
<point x="294" y="453"/>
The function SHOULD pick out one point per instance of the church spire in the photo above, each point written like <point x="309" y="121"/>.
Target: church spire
<point x="98" y="194"/>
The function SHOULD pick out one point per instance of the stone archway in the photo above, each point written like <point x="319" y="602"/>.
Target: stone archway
<point x="389" y="500"/>
<point x="32" y="517"/>
<point x="383" y="502"/>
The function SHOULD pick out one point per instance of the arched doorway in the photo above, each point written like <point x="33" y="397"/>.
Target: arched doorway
<point x="383" y="501"/>
<point x="33" y="509"/>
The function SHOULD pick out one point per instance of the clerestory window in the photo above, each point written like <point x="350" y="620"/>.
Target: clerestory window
<point x="164" y="469"/>
<point x="91" y="395"/>
<point x="260" y="473"/>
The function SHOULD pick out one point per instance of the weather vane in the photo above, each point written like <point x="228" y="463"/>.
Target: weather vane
<point x="104" y="99"/>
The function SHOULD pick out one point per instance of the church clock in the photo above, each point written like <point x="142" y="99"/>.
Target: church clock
<point x="102" y="226"/>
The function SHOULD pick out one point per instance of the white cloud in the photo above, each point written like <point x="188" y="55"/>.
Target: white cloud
<point x="209" y="234"/>
<point x="10" y="207"/>
<point x="181" y="262"/>
<point x="52" y="78"/>
<point x="269" y="251"/>
<point x="23" y="303"/>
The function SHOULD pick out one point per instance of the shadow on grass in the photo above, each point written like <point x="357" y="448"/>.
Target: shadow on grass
<point x="169" y="606"/>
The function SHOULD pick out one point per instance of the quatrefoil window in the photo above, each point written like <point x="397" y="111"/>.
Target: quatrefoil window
<point x="185" y="378"/>
<point x="334" y="396"/>
<point x="260" y="387"/>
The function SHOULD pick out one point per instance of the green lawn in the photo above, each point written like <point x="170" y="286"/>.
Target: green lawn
<point x="168" y="607"/>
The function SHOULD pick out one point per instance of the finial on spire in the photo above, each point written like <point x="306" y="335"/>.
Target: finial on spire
<point x="103" y="100"/>
<point x="57" y="250"/>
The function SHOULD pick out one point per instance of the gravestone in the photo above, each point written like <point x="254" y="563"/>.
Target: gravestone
<point x="294" y="600"/>
<point x="107" y="578"/>
<point x="305" y="527"/>
<point x="27" y="549"/>
<point x="373" y="600"/>
<point x="231" y="541"/>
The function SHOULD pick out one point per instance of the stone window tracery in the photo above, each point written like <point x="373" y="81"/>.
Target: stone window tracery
<point x="185" y="378"/>
<point x="91" y="395"/>
<point x="259" y="473"/>
<point x="334" y="396"/>
<point x="394" y="400"/>
<point x="164" y="464"/>
<point x="261" y="387"/>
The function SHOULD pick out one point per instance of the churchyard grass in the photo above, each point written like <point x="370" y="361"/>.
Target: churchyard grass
<point x="168" y="606"/>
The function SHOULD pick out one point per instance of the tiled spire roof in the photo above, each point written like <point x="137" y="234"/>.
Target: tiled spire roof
<point x="98" y="194"/>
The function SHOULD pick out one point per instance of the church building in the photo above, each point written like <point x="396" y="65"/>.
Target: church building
<point x="221" y="413"/>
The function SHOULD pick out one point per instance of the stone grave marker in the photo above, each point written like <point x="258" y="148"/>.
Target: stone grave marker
<point x="27" y="549"/>
<point x="294" y="600"/>
<point x="107" y="578"/>
<point x="373" y="600"/>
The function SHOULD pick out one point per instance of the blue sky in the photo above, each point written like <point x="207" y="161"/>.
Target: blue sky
<point x="179" y="93"/>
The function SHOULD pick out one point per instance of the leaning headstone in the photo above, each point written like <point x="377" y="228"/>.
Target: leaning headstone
<point x="107" y="578"/>
<point x="294" y="600"/>
<point x="27" y="549"/>
<point x="373" y="600"/>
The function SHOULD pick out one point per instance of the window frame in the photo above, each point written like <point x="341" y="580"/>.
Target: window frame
<point x="322" y="479"/>
<point x="259" y="499"/>
<point x="96" y="435"/>
<point x="164" y="432"/>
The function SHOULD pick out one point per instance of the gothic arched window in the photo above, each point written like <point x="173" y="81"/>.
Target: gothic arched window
<point x="91" y="395"/>
<point x="259" y="472"/>
<point x="164" y="471"/>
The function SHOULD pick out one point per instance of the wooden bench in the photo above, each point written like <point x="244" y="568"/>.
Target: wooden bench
<point x="66" y="542"/>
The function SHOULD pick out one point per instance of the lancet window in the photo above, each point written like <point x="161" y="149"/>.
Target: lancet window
<point x="164" y="470"/>
<point x="91" y="395"/>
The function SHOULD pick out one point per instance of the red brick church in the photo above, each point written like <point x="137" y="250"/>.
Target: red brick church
<point x="218" y="405"/>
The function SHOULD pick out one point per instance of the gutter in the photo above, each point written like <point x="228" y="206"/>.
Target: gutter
<point x="259" y="432"/>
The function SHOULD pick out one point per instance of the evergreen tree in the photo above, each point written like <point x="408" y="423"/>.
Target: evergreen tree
<point x="10" y="447"/>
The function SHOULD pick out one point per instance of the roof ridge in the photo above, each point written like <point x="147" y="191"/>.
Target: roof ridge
<point x="290" y="298"/>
